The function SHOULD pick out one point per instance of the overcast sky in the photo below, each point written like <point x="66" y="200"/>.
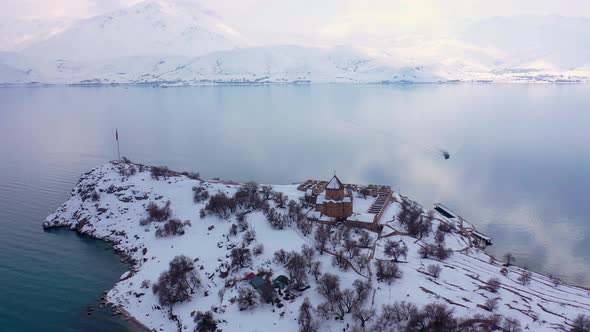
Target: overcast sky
<point x="288" y="21"/>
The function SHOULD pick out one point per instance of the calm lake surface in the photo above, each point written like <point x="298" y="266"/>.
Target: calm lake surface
<point x="519" y="167"/>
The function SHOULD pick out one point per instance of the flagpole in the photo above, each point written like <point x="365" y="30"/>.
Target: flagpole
<point x="118" y="149"/>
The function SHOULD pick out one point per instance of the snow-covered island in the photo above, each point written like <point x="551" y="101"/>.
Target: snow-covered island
<point x="211" y="255"/>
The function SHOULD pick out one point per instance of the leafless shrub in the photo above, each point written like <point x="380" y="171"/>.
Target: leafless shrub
<point x="513" y="325"/>
<point x="581" y="324"/>
<point x="161" y="171"/>
<point x="249" y="236"/>
<point x="442" y="253"/>
<point x="258" y="249"/>
<point x="491" y="304"/>
<point x="493" y="285"/>
<point x="427" y="251"/>
<point x="434" y="270"/>
<point x="445" y="228"/>
<point x="281" y="256"/>
<point x="220" y="205"/>
<point x="171" y="228"/>
<point x="145" y="284"/>
<point x="205" y="322"/>
<point x="156" y="213"/>
<point x="275" y="219"/>
<point x="365" y="239"/>
<point x="200" y="194"/>
<point x="247" y="196"/>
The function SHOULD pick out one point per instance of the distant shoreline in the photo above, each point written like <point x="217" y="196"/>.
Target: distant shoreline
<point x="293" y="83"/>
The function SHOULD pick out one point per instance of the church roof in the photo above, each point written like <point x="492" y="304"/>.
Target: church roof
<point x="334" y="183"/>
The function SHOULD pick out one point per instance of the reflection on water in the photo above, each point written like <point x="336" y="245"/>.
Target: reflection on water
<point x="518" y="166"/>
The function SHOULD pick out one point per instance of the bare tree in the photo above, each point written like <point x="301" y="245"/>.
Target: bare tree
<point x="525" y="278"/>
<point x="178" y="283"/>
<point x="387" y="271"/>
<point x="247" y="297"/>
<point x="362" y="261"/>
<point x="439" y="236"/>
<point x="363" y="315"/>
<point x="321" y="237"/>
<point x="352" y="248"/>
<point x="433" y="317"/>
<point x="329" y="286"/>
<point x="280" y="199"/>
<point x="306" y="321"/>
<point x="266" y="192"/>
<point x="362" y="289"/>
<point x="240" y="258"/>
<point x="365" y="239"/>
<point x="581" y="324"/>
<point x="395" y="250"/>
<point x="296" y="265"/>
<point x="411" y="217"/>
<point x="509" y="259"/>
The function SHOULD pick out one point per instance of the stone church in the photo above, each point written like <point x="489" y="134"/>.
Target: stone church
<point x="335" y="201"/>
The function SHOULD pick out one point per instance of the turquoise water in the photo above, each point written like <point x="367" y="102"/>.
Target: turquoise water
<point x="518" y="168"/>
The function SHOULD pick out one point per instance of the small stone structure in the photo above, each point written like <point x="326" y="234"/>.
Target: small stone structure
<point x="336" y="201"/>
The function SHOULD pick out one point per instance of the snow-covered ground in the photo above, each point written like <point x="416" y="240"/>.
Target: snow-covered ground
<point x="116" y="213"/>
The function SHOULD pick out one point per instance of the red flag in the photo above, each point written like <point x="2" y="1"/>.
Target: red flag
<point x="116" y="134"/>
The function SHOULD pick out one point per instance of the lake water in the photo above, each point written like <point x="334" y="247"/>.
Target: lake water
<point x="519" y="167"/>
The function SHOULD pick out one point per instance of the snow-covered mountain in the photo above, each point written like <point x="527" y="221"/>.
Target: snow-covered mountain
<point x="150" y="28"/>
<point x="179" y="42"/>
<point x="538" y="42"/>
<point x="15" y="35"/>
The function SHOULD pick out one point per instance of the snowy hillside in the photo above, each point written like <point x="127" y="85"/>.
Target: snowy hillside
<point x="151" y="28"/>
<point x="123" y="203"/>
<point x="178" y="42"/>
